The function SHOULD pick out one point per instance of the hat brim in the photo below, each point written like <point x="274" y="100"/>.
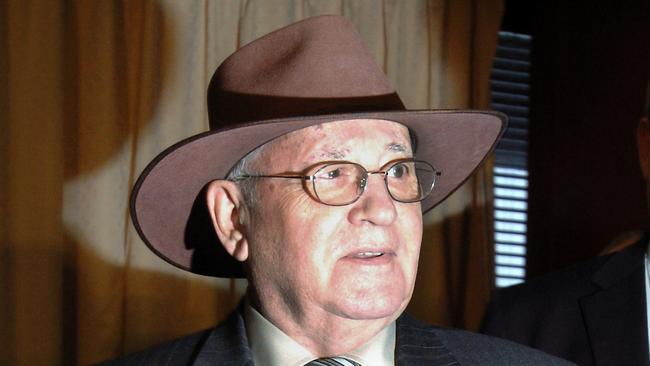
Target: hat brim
<point x="168" y="205"/>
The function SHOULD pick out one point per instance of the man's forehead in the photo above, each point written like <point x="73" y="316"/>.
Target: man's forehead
<point x="360" y="128"/>
<point x="339" y="140"/>
<point x="347" y="124"/>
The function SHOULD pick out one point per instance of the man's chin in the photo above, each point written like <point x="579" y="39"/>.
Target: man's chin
<point x="370" y="310"/>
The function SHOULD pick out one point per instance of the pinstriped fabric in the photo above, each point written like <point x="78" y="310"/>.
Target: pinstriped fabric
<point x="417" y="344"/>
<point x="333" y="361"/>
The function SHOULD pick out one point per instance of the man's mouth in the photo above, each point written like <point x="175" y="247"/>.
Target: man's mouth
<point x="371" y="257"/>
<point x="367" y="255"/>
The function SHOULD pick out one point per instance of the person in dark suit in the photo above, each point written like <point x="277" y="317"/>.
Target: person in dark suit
<point x="594" y="313"/>
<point x="311" y="185"/>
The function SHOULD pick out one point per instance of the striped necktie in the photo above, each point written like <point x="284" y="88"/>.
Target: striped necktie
<point x="333" y="361"/>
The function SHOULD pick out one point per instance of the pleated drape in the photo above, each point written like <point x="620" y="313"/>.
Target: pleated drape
<point x="93" y="90"/>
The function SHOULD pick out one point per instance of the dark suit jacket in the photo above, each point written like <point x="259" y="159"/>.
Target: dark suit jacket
<point x="416" y="344"/>
<point x="592" y="314"/>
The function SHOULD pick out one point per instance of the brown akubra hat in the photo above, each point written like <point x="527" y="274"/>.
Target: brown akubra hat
<point x="311" y="72"/>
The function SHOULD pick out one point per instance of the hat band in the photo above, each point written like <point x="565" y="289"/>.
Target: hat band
<point x="228" y="108"/>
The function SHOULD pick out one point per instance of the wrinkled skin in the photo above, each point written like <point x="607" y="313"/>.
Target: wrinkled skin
<point x="318" y="270"/>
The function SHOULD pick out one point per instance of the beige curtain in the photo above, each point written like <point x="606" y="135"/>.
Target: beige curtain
<point x="92" y="90"/>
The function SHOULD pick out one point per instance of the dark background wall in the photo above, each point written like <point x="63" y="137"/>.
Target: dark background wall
<point x="590" y="65"/>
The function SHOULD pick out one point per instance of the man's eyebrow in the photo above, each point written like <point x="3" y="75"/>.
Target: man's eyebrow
<point x="396" y="146"/>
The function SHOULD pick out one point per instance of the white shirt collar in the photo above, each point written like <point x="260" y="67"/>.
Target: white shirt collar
<point x="270" y="346"/>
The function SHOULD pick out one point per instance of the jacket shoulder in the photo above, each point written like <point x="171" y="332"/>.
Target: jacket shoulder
<point x="465" y="348"/>
<point x="179" y="351"/>
<point x="226" y="344"/>
<point x="477" y="349"/>
<point x="574" y="281"/>
<point x="562" y="288"/>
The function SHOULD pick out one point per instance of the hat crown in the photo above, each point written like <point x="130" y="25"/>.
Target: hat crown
<point x="316" y="66"/>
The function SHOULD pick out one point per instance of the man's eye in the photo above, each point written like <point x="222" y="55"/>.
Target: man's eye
<point x="398" y="171"/>
<point x="333" y="173"/>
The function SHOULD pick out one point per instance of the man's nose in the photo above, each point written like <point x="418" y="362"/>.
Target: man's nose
<point x="375" y="205"/>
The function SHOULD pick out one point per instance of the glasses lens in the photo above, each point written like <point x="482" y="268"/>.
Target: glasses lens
<point x="340" y="183"/>
<point x="410" y="181"/>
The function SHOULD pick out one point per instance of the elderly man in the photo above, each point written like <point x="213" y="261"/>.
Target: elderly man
<point x="594" y="313"/>
<point x="308" y="185"/>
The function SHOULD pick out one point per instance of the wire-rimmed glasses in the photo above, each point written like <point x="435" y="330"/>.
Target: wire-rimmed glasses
<point x="340" y="183"/>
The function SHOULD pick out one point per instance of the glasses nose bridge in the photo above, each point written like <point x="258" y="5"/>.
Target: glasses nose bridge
<point x="373" y="172"/>
<point x="366" y="176"/>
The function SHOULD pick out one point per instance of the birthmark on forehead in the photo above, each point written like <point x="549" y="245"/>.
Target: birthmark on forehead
<point x="340" y="153"/>
<point x="334" y="153"/>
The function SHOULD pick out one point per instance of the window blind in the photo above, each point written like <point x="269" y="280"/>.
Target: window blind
<point x="510" y="87"/>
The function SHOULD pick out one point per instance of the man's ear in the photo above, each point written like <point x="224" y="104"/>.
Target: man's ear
<point x="643" y="146"/>
<point x="228" y="212"/>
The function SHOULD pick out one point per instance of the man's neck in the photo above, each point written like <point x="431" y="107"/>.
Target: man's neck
<point x="320" y="332"/>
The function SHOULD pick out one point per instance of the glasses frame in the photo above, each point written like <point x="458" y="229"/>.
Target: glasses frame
<point x="322" y="165"/>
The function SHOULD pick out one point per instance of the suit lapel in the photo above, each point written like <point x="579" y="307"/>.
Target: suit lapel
<point x="417" y="344"/>
<point x="615" y="316"/>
